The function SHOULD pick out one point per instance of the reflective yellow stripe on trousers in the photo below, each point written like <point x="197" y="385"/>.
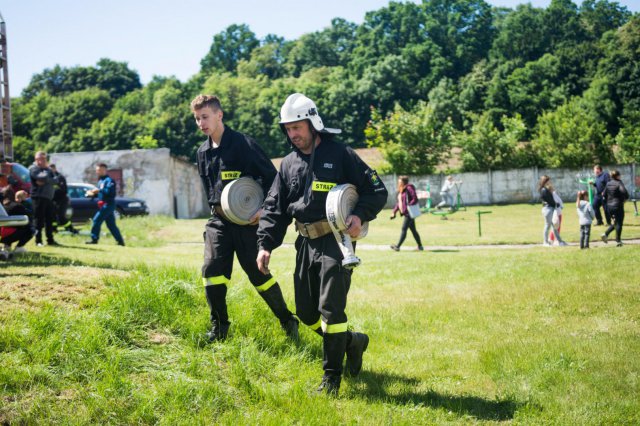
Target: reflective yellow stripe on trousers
<point x="219" y="280"/>
<point x="317" y="325"/>
<point x="334" y="328"/>
<point x="266" y="286"/>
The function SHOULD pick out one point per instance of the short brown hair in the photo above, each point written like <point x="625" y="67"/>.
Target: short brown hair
<point x="102" y="165"/>
<point x="202" y="101"/>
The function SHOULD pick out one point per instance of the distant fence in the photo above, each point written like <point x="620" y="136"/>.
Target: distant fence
<point x="510" y="186"/>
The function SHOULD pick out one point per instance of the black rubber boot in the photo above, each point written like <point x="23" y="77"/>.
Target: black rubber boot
<point x="357" y="343"/>
<point x="329" y="385"/>
<point x="290" y="327"/>
<point x="218" y="331"/>
<point x="274" y="299"/>
<point x="217" y="300"/>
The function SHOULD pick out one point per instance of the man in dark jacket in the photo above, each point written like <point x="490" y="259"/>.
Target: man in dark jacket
<point x="106" y="193"/>
<point x="615" y="194"/>
<point x="299" y="192"/>
<point x="600" y="183"/>
<point x="42" y="197"/>
<point x="225" y="156"/>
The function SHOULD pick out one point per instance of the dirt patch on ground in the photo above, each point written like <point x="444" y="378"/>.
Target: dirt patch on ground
<point x="160" y="338"/>
<point x="60" y="285"/>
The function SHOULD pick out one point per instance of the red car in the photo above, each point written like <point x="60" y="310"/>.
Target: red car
<point x="16" y="175"/>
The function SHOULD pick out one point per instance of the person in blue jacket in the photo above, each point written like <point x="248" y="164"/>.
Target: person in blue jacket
<point x="106" y="193"/>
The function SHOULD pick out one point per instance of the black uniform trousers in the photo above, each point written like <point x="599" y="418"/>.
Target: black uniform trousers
<point x="22" y="235"/>
<point x="598" y="202"/>
<point x="409" y="223"/>
<point x="321" y="285"/>
<point x="60" y="206"/>
<point x="43" y="215"/>
<point x="617" y="214"/>
<point x="221" y="240"/>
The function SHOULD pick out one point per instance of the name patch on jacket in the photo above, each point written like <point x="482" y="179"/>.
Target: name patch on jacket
<point x="229" y="175"/>
<point x="322" y="186"/>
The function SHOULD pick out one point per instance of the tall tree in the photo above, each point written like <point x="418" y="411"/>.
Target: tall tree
<point x="114" y="77"/>
<point x="520" y="36"/>
<point x="327" y="48"/>
<point x="570" y="136"/>
<point x="229" y="47"/>
<point x="463" y="29"/>
<point x="412" y="143"/>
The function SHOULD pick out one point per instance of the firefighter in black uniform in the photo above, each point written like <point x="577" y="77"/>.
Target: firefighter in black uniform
<point x="299" y="192"/>
<point x="61" y="200"/>
<point x="227" y="155"/>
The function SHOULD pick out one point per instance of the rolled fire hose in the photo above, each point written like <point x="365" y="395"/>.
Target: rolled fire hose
<point x="341" y="200"/>
<point x="241" y="199"/>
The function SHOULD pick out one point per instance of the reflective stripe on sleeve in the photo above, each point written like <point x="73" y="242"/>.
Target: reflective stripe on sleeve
<point x="219" y="280"/>
<point x="334" y="328"/>
<point x="266" y="286"/>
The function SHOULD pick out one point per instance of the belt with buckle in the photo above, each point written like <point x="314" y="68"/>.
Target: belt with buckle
<point x="313" y="230"/>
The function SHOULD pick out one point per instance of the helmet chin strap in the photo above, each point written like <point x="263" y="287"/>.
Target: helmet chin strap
<point x="307" y="184"/>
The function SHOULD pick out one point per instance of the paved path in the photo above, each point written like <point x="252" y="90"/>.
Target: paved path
<point x="612" y="243"/>
<point x="385" y="247"/>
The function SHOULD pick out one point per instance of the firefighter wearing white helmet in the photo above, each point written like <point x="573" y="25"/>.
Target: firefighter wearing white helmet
<point x="224" y="159"/>
<point x="299" y="192"/>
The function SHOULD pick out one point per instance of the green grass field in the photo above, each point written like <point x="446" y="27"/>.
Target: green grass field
<point x="529" y="335"/>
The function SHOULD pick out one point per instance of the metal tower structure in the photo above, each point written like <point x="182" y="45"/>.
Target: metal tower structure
<point x="6" y="145"/>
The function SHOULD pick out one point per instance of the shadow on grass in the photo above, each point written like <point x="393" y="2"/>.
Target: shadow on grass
<point x="373" y="385"/>
<point x="443" y="251"/>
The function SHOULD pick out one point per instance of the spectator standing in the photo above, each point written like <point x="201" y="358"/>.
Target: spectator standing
<point x="548" y="207"/>
<point x="106" y="193"/>
<point x="557" y="215"/>
<point x="406" y="197"/>
<point x="600" y="184"/>
<point x="615" y="194"/>
<point x="585" y="218"/>
<point x="61" y="200"/>
<point x="42" y="197"/>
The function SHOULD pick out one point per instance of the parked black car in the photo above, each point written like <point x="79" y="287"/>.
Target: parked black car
<point x="85" y="208"/>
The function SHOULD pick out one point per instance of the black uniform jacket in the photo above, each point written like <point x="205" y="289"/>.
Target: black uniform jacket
<point x="60" y="187"/>
<point x="334" y="164"/>
<point x="238" y="155"/>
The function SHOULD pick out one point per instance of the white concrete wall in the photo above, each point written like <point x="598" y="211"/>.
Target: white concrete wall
<point x="190" y="198"/>
<point x="147" y="174"/>
<point x="509" y="186"/>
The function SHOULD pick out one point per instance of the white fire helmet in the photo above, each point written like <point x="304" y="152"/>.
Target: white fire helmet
<point x="298" y="107"/>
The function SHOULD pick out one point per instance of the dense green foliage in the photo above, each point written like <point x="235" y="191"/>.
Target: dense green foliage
<point x="512" y="87"/>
